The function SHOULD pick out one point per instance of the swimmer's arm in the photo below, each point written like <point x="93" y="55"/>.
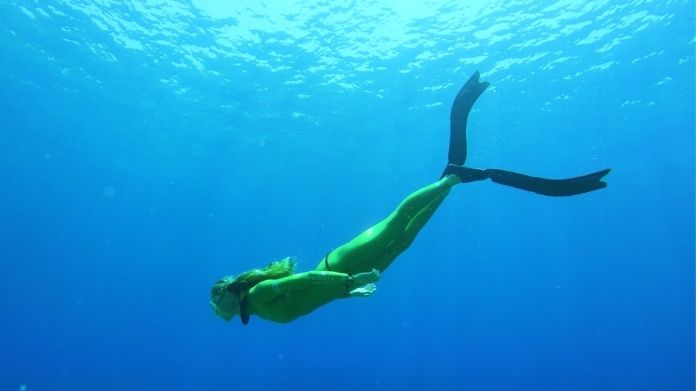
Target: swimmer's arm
<point x="269" y="290"/>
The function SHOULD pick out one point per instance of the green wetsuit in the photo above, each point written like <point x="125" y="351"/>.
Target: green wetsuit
<point x="287" y="298"/>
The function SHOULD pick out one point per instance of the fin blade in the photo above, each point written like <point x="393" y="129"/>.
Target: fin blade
<point x="459" y="114"/>
<point x="550" y="187"/>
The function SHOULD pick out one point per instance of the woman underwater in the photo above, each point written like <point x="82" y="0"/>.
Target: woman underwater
<point x="278" y="294"/>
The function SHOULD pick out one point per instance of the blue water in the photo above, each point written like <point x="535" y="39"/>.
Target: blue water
<point x="149" y="148"/>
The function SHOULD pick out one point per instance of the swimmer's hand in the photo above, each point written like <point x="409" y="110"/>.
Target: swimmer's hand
<point x="365" y="278"/>
<point x="365" y="283"/>
<point x="363" y="291"/>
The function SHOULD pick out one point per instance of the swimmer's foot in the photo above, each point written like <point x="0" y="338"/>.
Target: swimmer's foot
<point x="450" y="179"/>
<point x="465" y="174"/>
<point x="363" y="291"/>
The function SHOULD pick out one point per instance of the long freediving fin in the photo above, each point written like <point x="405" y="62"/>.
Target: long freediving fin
<point x="550" y="187"/>
<point x="459" y="114"/>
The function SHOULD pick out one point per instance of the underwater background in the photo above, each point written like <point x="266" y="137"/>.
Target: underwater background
<point x="148" y="148"/>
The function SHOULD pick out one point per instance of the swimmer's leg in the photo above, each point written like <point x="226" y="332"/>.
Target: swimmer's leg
<point x="370" y="246"/>
<point x="408" y="236"/>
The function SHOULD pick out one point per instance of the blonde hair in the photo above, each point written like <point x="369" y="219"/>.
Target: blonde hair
<point x="246" y="280"/>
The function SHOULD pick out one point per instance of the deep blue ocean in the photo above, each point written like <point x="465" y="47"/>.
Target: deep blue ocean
<point x="148" y="148"/>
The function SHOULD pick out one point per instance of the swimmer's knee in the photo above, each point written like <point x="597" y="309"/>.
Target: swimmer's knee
<point x="400" y="245"/>
<point x="398" y="220"/>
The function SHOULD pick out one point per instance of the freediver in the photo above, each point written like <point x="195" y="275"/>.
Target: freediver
<point x="278" y="294"/>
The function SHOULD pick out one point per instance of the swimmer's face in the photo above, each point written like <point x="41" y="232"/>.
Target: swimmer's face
<point x="226" y="306"/>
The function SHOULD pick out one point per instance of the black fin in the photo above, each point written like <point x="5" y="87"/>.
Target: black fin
<point x="461" y="107"/>
<point x="465" y="174"/>
<point x="459" y="115"/>
<point x="550" y="187"/>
